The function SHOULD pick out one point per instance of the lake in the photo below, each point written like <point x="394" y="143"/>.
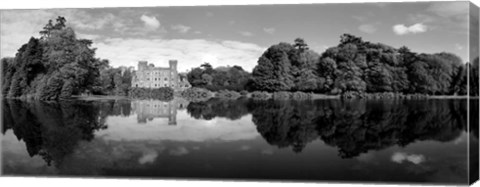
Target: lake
<point x="394" y="141"/>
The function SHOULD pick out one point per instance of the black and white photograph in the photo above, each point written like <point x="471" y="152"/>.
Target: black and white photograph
<point x="361" y="92"/>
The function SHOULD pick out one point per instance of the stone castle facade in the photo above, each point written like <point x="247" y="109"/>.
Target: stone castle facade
<point x="149" y="76"/>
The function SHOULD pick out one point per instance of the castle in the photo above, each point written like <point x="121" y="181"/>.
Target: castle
<point x="149" y="76"/>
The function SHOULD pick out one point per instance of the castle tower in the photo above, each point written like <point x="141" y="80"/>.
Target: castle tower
<point x="173" y="73"/>
<point x="142" y="65"/>
<point x="173" y="65"/>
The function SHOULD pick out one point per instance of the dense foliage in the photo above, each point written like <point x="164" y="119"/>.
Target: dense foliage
<point x="52" y="67"/>
<point x="164" y="93"/>
<point x="197" y="94"/>
<point x="220" y="78"/>
<point x="359" y="66"/>
<point x="474" y="78"/>
<point x="113" y="81"/>
<point x="286" y="67"/>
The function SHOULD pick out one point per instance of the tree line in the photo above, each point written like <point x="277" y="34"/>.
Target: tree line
<point x="354" y="65"/>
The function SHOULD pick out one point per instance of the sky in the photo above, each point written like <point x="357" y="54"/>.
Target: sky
<point x="238" y="35"/>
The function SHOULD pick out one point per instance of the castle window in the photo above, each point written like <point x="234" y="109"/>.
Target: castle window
<point x="165" y="85"/>
<point x="148" y="79"/>
<point x="155" y="78"/>
<point x="155" y="85"/>
<point x="136" y="85"/>
<point x="166" y="78"/>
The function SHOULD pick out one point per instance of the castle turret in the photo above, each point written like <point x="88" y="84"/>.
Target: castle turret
<point x="142" y="65"/>
<point x="173" y="74"/>
<point x="173" y="65"/>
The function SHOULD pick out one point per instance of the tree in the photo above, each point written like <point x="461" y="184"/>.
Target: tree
<point x="286" y="67"/>
<point x="55" y="66"/>
<point x="273" y="72"/>
<point x="300" y="44"/>
<point x="219" y="78"/>
<point x="8" y="70"/>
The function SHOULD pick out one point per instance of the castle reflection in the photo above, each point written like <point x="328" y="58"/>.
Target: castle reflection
<point x="147" y="110"/>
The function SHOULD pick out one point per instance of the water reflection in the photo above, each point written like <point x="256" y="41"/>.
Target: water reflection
<point x="52" y="130"/>
<point x="129" y="138"/>
<point x="358" y="126"/>
<point x="150" y="109"/>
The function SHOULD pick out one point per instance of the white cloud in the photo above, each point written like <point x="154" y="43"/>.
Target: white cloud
<point x="367" y="28"/>
<point x="148" y="157"/>
<point x="401" y="29"/>
<point x="246" y="33"/>
<point x="150" y="22"/>
<point x="189" y="53"/>
<point x="181" y="28"/>
<point x="399" y="157"/>
<point x="269" y="30"/>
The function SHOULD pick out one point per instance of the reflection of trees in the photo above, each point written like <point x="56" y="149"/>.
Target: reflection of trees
<point x="285" y="123"/>
<point x="52" y="130"/>
<point x="474" y="117"/>
<point x="114" y="108"/>
<point x="358" y="126"/>
<point x="231" y="109"/>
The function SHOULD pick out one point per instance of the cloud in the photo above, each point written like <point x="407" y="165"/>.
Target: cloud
<point x="401" y="29"/>
<point x="150" y="22"/>
<point x="399" y="157"/>
<point x="148" y="157"/>
<point x="269" y="30"/>
<point x="446" y="16"/>
<point x="181" y="28"/>
<point x="189" y="53"/>
<point x="360" y="18"/>
<point x="17" y="26"/>
<point x="87" y="36"/>
<point x="458" y="46"/>
<point x="246" y="33"/>
<point x="85" y="21"/>
<point x="449" y="9"/>
<point x="367" y="28"/>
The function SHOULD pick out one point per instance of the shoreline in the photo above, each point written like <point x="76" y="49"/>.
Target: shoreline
<point x="249" y="96"/>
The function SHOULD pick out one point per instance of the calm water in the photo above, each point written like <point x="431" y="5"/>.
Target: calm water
<point x="375" y="141"/>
